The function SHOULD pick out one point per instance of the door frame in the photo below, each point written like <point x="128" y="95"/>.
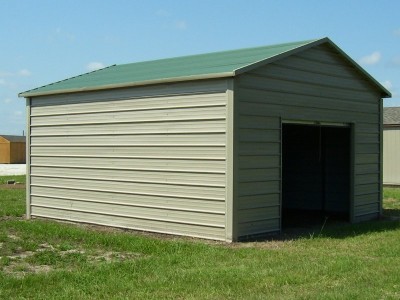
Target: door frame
<point x="351" y="127"/>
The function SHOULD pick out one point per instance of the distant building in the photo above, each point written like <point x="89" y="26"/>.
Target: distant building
<point x="12" y="149"/>
<point x="391" y="145"/>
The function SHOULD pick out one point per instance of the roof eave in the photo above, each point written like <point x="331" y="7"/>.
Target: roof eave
<point x="391" y="124"/>
<point x="32" y="93"/>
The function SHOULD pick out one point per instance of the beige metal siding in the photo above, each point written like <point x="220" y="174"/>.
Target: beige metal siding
<point x="149" y="158"/>
<point x="391" y="155"/>
<point x="314" y="85"/>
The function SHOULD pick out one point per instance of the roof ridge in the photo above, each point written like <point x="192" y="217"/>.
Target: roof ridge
<point x="220" y="52"/>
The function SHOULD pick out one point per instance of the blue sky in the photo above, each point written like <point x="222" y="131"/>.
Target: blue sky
<point x="45" y="41"/>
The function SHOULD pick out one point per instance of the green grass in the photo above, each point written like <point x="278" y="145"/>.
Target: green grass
<point x="12" y="202"/>
<point x="17" y="178"/>
<point x="49" y="260"/>
<point x="392" y="203"/>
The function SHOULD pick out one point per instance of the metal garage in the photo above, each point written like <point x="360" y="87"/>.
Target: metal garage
<point x="391" y="146"/>
<point x="221" y="145"/>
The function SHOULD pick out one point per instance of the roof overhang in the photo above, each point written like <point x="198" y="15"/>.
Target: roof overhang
<point x="128" y="84"/>
<point x="391" y="125"/>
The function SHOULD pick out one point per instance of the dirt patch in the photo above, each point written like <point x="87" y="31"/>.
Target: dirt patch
<point x="12" y="218"/>
<point x="17" y="186"/>
<point x="21" y="262"/>
<point x="22" y="269"/>
<point x="112" y="256"/>
<point x="14" y="237"/>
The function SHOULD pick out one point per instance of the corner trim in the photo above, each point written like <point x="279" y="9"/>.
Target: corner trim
<point x="28" y="158"/>
<point x="231" y="214"/>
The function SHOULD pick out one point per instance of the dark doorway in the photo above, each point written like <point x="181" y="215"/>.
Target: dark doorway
<point x="315" y="174"/>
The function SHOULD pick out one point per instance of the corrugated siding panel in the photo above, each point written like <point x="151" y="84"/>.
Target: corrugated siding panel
<point x="134" y="163"/>
<point x="156" y="115"/>
<point x="182" y="152"/>
<point x="125" y="198"/>
<point x="134" y="158"/>
<point x="131" y="222"/>
<point x="314" y="85"/>
<point x="391" y="156"/>
<point x="166" y="177"/>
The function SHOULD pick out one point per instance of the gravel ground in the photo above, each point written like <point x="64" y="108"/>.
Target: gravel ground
<point x="11" y="169"/>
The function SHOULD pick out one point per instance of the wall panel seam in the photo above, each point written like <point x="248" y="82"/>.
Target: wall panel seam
<point x="130" y="181"/>
<point x="134" y="169"/>
<point x="131" y="204"/>
<point x="130" y="216"/>
<point x="130" y="193"/>
<point x="159" y="108"/>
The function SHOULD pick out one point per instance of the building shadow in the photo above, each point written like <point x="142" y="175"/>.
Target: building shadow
<point x="337" y="229"/>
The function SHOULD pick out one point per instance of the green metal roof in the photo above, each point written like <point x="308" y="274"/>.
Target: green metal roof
<point x="202" y="66"/>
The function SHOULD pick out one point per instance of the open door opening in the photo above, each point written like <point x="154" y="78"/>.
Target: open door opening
<point x="315" y="174"/>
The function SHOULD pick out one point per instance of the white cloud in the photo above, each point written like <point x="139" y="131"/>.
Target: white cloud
<point x="390" y="87"/>
<point x="387" y="84"/>
<point x="371" y="59"/>
<point x="93" y="66"/>
<point x="397" y="32"/>
<point x="7" y="100"/>
<point x="2" y="82"/>
<point x="17" y="113"/>
<point x="24" y="72"/>
<point x="181" y="25"/>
